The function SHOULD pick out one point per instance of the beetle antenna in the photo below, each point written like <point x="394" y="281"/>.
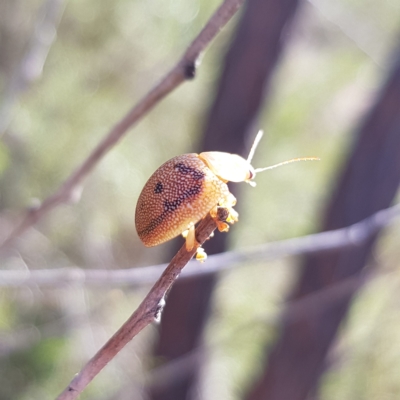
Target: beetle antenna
<point x="287" y="162"/>
<point x="254" y="145"/>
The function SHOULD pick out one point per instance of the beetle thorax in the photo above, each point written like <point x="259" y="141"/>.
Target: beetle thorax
<point x="228" y="167"/>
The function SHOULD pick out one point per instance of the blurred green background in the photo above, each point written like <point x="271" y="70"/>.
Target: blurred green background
<point x="105" y="56"/>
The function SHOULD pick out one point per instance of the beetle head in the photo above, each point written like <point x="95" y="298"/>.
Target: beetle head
<point x="233" y="168"/>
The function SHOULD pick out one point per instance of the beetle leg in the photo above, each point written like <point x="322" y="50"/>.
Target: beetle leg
<point x="201" y="255"/>
<point x="228" y="201"/>
<point x="220" y="216"/>
<point x="191" y="241"/>
<point x="190" y="236"/>
<point x="224" y="213"/>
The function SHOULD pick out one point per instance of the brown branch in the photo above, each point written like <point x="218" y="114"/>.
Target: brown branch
<point x="148" y="311"/>
<point x="351" y="236"/>
<point x="183" y="70"/>
<point x="314" y="303"/>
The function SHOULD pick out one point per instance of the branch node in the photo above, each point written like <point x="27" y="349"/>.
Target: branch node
<point x="33" y="206"/>
<point x="159" y="310"/>
<point x="189" y="70"/>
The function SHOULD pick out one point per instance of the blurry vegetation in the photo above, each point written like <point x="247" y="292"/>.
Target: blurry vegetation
<point x="105" y="57"/>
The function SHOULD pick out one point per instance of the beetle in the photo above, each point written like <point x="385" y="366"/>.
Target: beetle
<point x="186" y="188"/>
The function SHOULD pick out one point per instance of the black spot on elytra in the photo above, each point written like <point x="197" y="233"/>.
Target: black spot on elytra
<point x="196" y="174"/>
<point x="170" y="206"/>
<point x="158" y="188"/>
<point x="193" y="178"/>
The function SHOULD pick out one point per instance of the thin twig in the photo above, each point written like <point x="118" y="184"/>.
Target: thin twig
<point x="183" y="70"/>
<point x="353" y="235"/>
<point x="148" y="311"/>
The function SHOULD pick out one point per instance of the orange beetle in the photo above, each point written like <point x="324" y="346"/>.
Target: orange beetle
<point x="186" y="188"/>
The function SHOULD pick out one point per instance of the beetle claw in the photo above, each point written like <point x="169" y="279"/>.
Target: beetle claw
<point x="233" y="216"/>
<point x="201" y="255"/>
<point x="222" y="226"/>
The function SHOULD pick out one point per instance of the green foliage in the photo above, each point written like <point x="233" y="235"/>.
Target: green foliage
<point x="27" y="370"/>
